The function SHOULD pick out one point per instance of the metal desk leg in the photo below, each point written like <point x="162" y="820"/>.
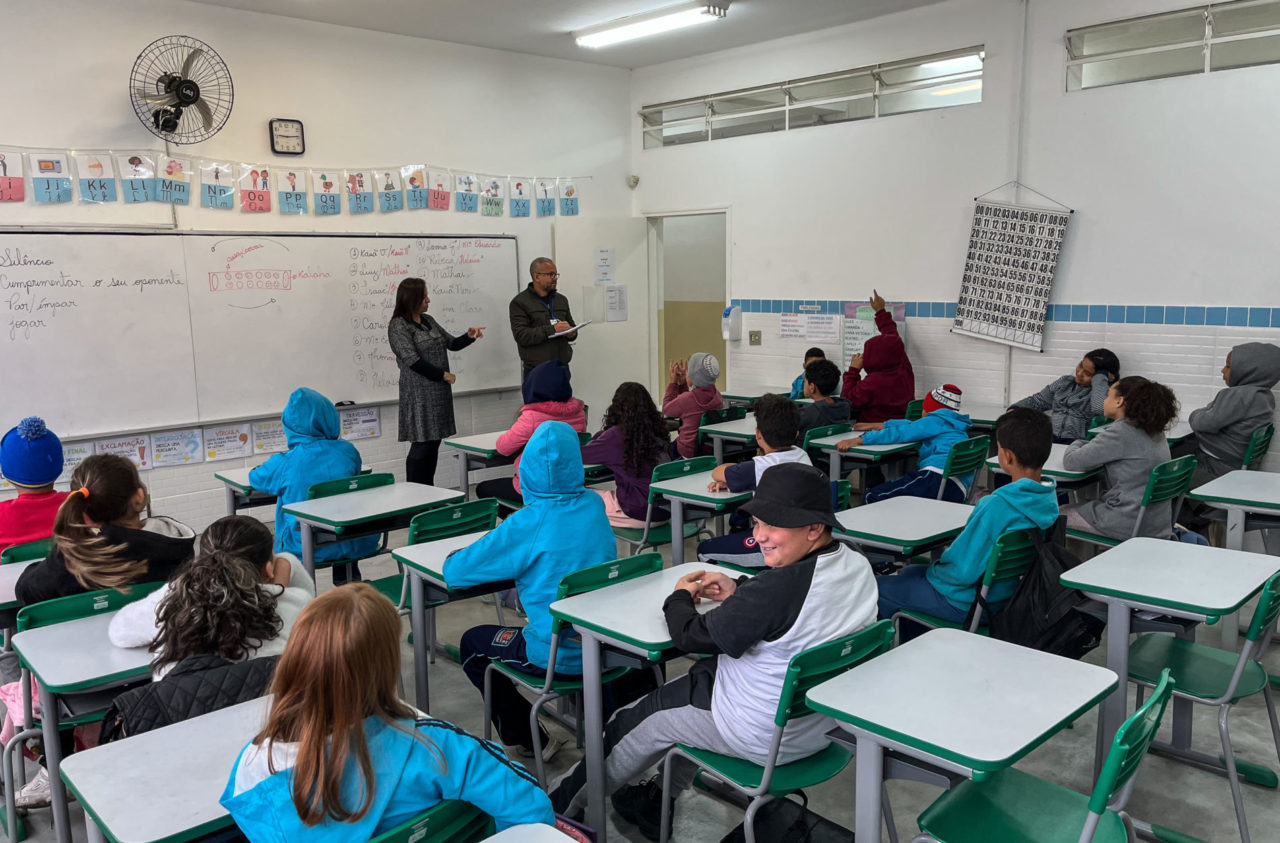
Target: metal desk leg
<point x="53" y="760"/>
<point x="1114" y="708"/>
<point x="834" y="474"/>
<point x="869" y="771"/>
<point x="231" y="510"/>
<point x="593" y="716"/>
<point x="464" y="475"/>
<point x="308" y="548"/>
<point x="717" y="448"/>
<point x="417" y="623"/>
<point x="677" y="531"/>
<point x="1230" y="624"/>
<point x="92" y="833"/>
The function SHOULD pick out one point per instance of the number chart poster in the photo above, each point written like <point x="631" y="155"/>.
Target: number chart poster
<point x="1008" y="273"/>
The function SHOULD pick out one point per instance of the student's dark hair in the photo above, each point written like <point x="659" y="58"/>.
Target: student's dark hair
<point x="824" y="375"/>
<point x="1105" y="360"/>
<point x="778" y="420"/>
<point x="216" y="604"/>
<point x="1028" y="434"/>
<point x="409" y="293"/>
<point x="1149" y="406"/>
<point x="644" y="433"/>
<point x="813" y="352"/>
<point x="536" y="262"/>
<point x="102" y="487"/>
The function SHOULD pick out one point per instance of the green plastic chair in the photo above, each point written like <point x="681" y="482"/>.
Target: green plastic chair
<point x="656" y="535"/>
<point x="1011" y="806"/>
<point x="1169" y="481"/>
<point x="340" y="486"/>
<point x="453" y="821"/>
<point x="549" y="687"/>
<point x="445" y="522"/>
<point x="842" y="497"/>
<point x="1011" y="556"/>
<point x="813" y="433"/>
<point x="83" y="708"/>
<point x="1259" y="444"/>
<point x="716" y="417"/>
<point x="26" y="551"/>
<point x="1096" y="421"/>
<point x="1219" y="678"/>
<point x="762" y="783"/>
<point x="595" y="474"/>
<point x="964" y="458"/>
<point x="915" y="410"/>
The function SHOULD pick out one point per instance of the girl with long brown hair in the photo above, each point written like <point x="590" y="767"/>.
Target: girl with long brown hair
<point x="342" y="757"/>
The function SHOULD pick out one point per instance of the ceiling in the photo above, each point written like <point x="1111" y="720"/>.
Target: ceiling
<point x="542" y="27"/>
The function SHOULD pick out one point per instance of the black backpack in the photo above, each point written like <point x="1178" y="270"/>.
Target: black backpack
<point x="1042" y="614"/>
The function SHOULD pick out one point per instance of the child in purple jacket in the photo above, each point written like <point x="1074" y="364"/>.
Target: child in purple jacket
<point x="633" y="441"/>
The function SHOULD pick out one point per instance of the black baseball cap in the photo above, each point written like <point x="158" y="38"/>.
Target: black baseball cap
<point x="792" y="495"/>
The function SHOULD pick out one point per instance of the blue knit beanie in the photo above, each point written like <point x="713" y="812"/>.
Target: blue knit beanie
<point x="30" y="454"/>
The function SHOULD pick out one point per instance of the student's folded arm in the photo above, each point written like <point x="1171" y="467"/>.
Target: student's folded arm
<point x="849" y="385"/>
<point x="477" y="772"/>
<point x="1097" y="452"/>
<point x="897" y="431"/>
<point x="688" y="628"/>
<point x="1042" y="400"/>
<point x="740" y="477"/>
<point x="512" y="440"/>
<point x="498" y="556"/>
<point x="1208" y="420"/>
<point x="1098" y="395"/>
<point x="595" y="451"/>
<point x="671" y="403"/>
<point x="266" y="477"/>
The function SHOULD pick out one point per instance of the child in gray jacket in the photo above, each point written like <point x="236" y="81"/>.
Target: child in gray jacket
<point x="1128" y="450"/>
<point x="1223" y="427"/>
<point x="1075" y="399"/>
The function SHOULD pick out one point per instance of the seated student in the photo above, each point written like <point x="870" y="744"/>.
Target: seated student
<point x="30" y="459"/>
<point x="813" y="355"/>
<point x="813" y="591"/>
<point x="890" y="383"/>
<point x="547" y="397"/>
<point x="1128" y="449"/>
<point x="315" y="454"/>
<point x="821" y="380"/>
<point x="1223" y="427"/>
<point x="691" y="393"/>
<point x="342" y="758"/>
<point x="1075" y="399"/>
<point x="947" y="588"/>
<point x="561" y="529"/>
<point x="633" y="440"/>
<point x="235" y="601"/>
<point x="941" y="426"/>
<point x="777" y="420"/>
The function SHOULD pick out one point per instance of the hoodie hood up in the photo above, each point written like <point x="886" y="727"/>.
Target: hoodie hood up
<point x="551" y="464"/>
<point x="309" y="416"/>
<point x="1255" y="364"/>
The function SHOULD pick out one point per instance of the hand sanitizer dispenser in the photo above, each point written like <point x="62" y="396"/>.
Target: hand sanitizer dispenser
<point x="731" y="324"/>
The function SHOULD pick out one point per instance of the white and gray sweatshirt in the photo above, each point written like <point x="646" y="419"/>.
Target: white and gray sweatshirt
<point x="1127" y="455"/>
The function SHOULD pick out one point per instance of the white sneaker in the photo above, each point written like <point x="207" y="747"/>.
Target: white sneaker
<point x="35" y="793"/>
<point x="550" y="748"/>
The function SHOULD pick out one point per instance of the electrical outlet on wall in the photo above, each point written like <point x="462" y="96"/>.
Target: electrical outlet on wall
<point x="753" y="337"/>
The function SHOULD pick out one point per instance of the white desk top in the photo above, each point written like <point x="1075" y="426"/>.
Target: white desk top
<point x="371" y="504"/>
<point x="1180" y="430"/>
<point x="530" y="834"/>
<point x="77" y="654"/>
<point x="983" y="415"/>
<point x="428" y="557"/>
<point x="904" y="520"/>
<point x="182" y="769"/>
<point x="693" y="487"/>
<point x="828" y="443"/>
<point x="9" y="581"/>
<point x="966" y="698"/>
<point x="737" y="429"/>
<point x="631" y="611"/>
<point x="1258" y="490"/>
<point x="485" y="444"/>
<point x="238" y="478"/>
<point x="1174" y="575"/>
<point x="1053" y="466"/>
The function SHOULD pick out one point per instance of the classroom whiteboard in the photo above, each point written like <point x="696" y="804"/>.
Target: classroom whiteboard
<point x="112" y="332"/>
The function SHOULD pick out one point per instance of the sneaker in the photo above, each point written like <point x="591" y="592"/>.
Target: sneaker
<point x="641" y="805"/>
<point x="550" y="748"/>
<point x="35" y="793"/>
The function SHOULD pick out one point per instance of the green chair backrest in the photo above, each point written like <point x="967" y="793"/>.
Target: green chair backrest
<point x="454" y="520"/>
<point x="915" y="409"/>
<point x="967" y="456"/>
<point x="843" y="494"/>
<point x="818" y="664"/>
<point x="1169" y="480"/>
<point x="718" y="416"/>
<point x="1130" y="745"/>
<point x="26" y="551"/>
<point x="606" y="573"/>
<point x="342" y="485"/>
<point x="61" y="609"/>
<point x="825" y="430"/>
<point x="1264" y="617"/>
<point x="678" y="468"/>
<point x="1096" y="421"/>
<point x="453" y="821"/>
<point x="583" y="437"/>
<point x="1011" y="556"/>
<point x="1259" y="443"/>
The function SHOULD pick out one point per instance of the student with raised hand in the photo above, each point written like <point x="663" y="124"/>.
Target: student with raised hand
<point x="889" y="382"/>
<point x="632" y="441"/>
<point x="691" y="392"/>
<point x="316" y="454"/>
<point x="1075" y="399"/>
<point x="813" y="355"/>
<point x="235" y="601"/>
<point x="342" y="758"/>
<point x="1128" y="449"/>
<point x="30" y="459"/>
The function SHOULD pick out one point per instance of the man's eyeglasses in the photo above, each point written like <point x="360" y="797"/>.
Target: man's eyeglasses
<point x="553" y="275"/>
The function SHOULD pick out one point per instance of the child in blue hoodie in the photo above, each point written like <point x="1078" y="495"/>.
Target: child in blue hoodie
<point x="941" y="426"/>
<point x="561" y="529"/>
<point x="948" y="587"/>
<point x="315" y="455"/>
<point x="342" y="758"/>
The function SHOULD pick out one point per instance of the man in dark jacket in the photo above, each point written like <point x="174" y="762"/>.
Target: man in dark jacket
<point x="540" y="319"/>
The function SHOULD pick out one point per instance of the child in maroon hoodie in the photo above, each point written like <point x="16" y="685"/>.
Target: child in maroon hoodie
<point x="890" y="383"/>
<point x="691" y="393"/>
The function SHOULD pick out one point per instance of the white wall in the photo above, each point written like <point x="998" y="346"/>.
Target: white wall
<point x="693" y="258"/>
<point x="366" y="99"/>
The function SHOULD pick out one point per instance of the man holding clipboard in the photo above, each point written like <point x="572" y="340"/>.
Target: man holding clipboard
<point x="540" y="319"/>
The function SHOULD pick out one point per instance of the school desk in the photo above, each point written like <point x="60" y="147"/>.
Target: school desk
<point x="982" y="417"/>
<point x="362" y="513"/>
<point x="1242" y="494"/>
<point x="863" y="455"/>
<point x="241" y="495"/>
<point x="530" y="834"/>
<point x="622" y="622"/>
<point x="182" y="769"/>
<point x="738" y="430"/>
<point x="9" y="582"/>
<point x="1068" y="481"/>
<point x="1180" y="431"/>
<point x="479" y="450"/>
<point x="904" y="525"/>
<point x="1001" y="703"/>
<point x="692" y="489"/>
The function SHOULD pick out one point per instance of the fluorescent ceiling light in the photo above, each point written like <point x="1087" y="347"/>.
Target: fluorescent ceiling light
<point x="651" y="23"/>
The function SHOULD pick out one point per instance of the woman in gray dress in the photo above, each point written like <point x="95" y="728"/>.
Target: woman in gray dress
<point x="422" y="347"/>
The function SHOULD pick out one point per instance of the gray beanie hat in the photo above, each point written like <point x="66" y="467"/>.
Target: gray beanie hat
<point x="703" y="369"/>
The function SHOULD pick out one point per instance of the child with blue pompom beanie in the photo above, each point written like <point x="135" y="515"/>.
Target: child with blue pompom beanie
<point x="30" y="459"/>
